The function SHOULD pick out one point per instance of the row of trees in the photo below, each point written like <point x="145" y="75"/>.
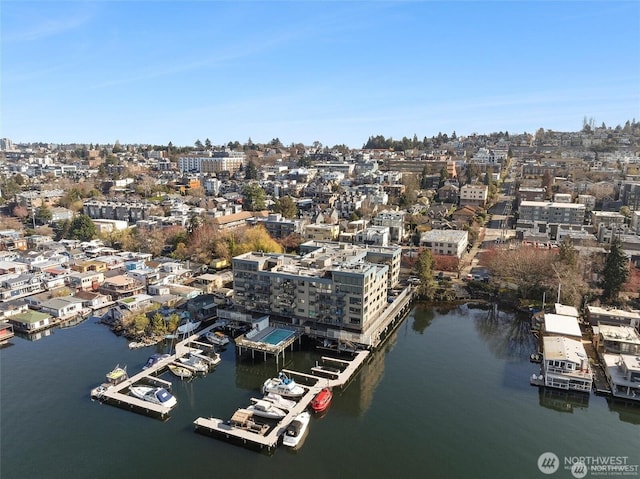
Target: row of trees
<point x="380" y="142"/>
<point x="538" y="272"/>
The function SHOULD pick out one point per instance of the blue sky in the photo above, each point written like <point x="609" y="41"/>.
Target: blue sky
<point x="332" y="71"/>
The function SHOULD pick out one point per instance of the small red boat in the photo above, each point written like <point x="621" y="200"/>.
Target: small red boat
<point x="322" y="400"/>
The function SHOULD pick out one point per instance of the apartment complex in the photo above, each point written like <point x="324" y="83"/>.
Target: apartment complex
<point x="445" y="242"/>
<point x="552" y="212"/>
<point x="474" y="195"/>
<point x="219" y="161"/>
<point x="394" y="220"/>
<point x="330" y="286"/>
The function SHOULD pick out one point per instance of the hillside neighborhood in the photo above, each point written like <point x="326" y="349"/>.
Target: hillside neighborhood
<point x="139" y="234"/>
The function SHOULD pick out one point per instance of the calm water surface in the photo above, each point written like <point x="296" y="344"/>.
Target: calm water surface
<point x="447" y="397"/>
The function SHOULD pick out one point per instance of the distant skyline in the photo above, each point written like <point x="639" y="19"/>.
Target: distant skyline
<point x="331" y="71"/>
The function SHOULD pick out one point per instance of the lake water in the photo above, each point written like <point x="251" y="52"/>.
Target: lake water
<point x="446" y="397"/>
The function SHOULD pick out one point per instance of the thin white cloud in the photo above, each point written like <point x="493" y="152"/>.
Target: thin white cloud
<point x="38" y="28"/>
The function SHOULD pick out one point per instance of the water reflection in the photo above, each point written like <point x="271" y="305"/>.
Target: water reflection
<point x="508" y="334"/>
<point x="628" y="411"/>
<point x="357" y="397"/>
<point x="35" y="336"/>
<point x="422" y="317"/>
<point x="562" y="401"/>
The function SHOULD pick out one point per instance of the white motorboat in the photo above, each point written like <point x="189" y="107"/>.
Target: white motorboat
<point x="154" y="395"/>
<point x="280" y="402"/>
<point x="284" y="386"/>
<point x="195" y="362"/>
<point x="296" y="430"/>
<point x="188" y="328"/>
<point x="180" y="371"/>
<point x="217" y="338"/>
<point x="266" y="409"/>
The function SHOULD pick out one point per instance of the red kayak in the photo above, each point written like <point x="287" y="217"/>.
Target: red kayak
<point x="322" y="400"/>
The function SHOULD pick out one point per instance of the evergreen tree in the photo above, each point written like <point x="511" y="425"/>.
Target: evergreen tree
<point x="253" y="197"/>
<point x="43" y="215"/>
<point x="286" y="206"/>
<point x="250" y="171"/>
<point x="615" y="272"/>
<point x="82" y="228"/>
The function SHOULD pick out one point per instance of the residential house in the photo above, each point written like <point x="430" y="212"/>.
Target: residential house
<point x="19" y="286"/>
<point x="89" y="281"/>
<point x="373" y="235"/>
<point x="394" y="220"/>
<point x="12" y="308"/>
<point x="30" y="321"/>
<point x="93" y="300"/>
<point x="565" y="364"/>
<point x="121" y="286"/>
<point x="597" y="315"/>
<point x="63" y="307"/>
<point x="448" y="193"/>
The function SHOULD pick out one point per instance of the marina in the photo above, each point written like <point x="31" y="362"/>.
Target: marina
<point x="416" y="361"/>
<point x="270" y="437"/>
<point x="111" y="392"/>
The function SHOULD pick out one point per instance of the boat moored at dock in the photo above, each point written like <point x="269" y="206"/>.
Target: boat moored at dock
<point x="295" y="432"/>
<point x="266" y="409"/>
<point x="154" y="395"/>
<point x="217" y="338"/>
<point x="322" y="400"/>
<point x="284" y="386"/>
<point x="117" y="375"/>
<point x="279" y="402"/>
<point x="181" y="371"/>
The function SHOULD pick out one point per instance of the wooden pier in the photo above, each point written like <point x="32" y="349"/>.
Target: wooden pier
<point x="270" y="439"/>
<point x="113" y="393"/>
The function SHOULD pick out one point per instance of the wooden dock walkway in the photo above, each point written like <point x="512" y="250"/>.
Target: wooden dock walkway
<point x="112" y="393"/>
<point x="224" y="429"/>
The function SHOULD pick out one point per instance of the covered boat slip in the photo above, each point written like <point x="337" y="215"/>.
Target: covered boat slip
<point x="270" y="439"/>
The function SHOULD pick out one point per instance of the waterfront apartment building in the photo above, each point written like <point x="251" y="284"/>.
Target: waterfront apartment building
<point x="550" y="212"/>
<point x="389" y="255"/>
<point x="331" y="287"/>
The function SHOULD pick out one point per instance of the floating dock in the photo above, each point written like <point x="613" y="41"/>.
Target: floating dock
<point x="113" y="393"/>
<point x="270" y="438"/>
